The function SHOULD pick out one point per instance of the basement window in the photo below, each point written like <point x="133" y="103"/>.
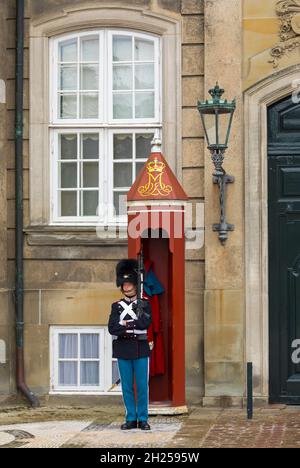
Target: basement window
<point x="81" y="361"/>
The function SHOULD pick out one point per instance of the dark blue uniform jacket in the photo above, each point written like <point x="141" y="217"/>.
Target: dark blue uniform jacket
<point x="126" y="346"/>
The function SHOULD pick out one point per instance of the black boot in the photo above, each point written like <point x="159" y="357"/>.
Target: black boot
<point x="144" y="426"/>
<point x="129" y="425"/>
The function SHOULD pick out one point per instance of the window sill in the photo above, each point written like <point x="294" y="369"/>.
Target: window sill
<point x="79" y="235"/>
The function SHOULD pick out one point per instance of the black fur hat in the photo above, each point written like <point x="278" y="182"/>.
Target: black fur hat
<point x="126" y="271"/>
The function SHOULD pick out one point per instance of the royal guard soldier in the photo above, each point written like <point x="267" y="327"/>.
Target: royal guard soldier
<point x="129" y="321"/>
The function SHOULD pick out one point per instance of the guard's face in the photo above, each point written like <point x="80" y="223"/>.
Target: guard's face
<point x="129" y="288"/>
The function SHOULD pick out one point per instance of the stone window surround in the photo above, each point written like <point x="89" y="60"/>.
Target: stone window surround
<point x="257" y="99"/>
<point x="79" y="19"/>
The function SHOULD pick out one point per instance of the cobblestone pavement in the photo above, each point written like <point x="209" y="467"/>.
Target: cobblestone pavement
<point x="270" y="428"/>
<point x="276" y="426"/>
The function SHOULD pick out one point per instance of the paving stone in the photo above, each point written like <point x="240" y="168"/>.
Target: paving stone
<point x="6" y="438"/>
<point x="45" y="434"/>
<point x="202" y="428"/>
<point x="111" y="436"/>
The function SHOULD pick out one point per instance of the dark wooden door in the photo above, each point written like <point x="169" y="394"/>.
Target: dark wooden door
<point x="284" y="250"/>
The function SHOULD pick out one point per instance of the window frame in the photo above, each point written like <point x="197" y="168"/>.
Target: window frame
<point x="122" y="220"/>
<point x="55" y="189"/>
<point x="106" y="190"/>
<point x="54" y="73"/>
<point x="105" y="125"/>
<point x="105" y="374"/>
<point x="105" y="78"/>
<point x="157" y="78"/>
<point x="42" y="32"/>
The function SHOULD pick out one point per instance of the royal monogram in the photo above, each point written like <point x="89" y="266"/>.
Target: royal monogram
<point x="155" y="185"/>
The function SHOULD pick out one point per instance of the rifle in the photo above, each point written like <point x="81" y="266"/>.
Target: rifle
<point x="140" y="284"/>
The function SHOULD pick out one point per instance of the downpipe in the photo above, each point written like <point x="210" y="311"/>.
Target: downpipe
<point x="19" y="291"/>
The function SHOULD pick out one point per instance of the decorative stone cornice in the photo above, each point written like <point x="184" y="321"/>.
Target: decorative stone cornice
<point x="288" y="12"/>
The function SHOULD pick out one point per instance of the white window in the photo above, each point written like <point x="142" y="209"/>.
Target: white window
<point x="2" y="352"/>
<point x="81" y="361"/>
<point x="105" y="108"/>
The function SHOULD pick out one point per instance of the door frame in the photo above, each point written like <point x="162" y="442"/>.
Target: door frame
<point x="256" y="100"/>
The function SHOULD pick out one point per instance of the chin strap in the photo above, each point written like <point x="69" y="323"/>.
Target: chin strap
<point x="130" y="298"/>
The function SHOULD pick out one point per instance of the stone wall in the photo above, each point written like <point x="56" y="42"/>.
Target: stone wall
<point x="71" y="281"/>
<point x="224" y="265"/>
<point x="193" y="182"/>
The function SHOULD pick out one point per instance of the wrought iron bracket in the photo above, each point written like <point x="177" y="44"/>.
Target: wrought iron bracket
<point x="223" y="227"/>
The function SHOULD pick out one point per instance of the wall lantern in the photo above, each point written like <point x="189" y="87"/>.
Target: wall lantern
<point x="216" y="116"/>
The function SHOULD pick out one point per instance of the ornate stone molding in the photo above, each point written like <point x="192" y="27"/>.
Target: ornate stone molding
<point x="288" y="12"/>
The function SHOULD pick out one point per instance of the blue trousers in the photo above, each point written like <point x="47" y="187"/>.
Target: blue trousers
<point x="138" y="369"/>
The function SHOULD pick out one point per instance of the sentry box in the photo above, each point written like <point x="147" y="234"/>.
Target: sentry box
<point x="156" y="210"/>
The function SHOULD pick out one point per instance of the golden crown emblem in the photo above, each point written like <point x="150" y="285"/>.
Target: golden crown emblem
<point x="155" y="166"/>
<point x="155" y="185"/>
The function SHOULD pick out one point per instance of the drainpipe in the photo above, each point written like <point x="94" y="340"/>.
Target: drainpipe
<point x="19" y="292"/>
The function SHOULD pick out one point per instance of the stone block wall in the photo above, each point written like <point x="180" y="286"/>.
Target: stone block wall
<point x="69" y="283"/>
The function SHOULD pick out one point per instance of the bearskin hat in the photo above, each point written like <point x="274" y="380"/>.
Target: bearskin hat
<point x="126" y="271"/>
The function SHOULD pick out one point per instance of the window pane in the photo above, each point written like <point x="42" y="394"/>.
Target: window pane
<point x="68" y="346"/>
<point x="144" y="50"/>
<point x="122" y="78"/>
<point x="67" y="374"/>
<point x="89" y="106"/>
<point x="143" y="145"/>
<point x="68" y="51"/>
<point x="90" y="202"/>
<point x="139" y="167"/>
<point x="68" y="203"/>
<point x="122" y="146"/>
<point x="122" y="106"/>
<point x="90" y="49"/>
<point x="122" y="175"/>
<point x="90" y="146"/>
<point x="115" y="372"/>
<point x="68" y="106"/>
<point x="89" y="373"/>
<point x="68" y="146"/>
<point x="68" y="78"/>
<point x="122" y="48"/>
<point x="90" y="174"/>
<point x="68" y="173"/>
<point x="144" y="105"/>
<point x="89" y="79"/>
<point x="89" y="346"/>
<point x="120" y="199"/>
<point x="144" y="76"/>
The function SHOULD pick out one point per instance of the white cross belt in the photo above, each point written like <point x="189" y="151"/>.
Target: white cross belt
<point x="127" y="310"/>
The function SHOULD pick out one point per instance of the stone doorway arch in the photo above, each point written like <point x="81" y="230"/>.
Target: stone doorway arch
<point x="256" y="100"/>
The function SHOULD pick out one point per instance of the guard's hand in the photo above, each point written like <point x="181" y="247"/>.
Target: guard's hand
<point x="130" y="324"/>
